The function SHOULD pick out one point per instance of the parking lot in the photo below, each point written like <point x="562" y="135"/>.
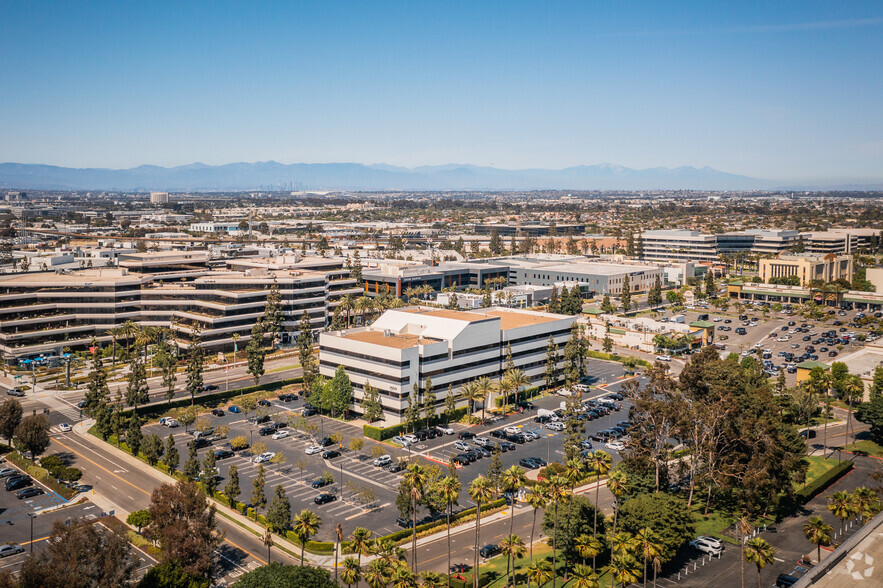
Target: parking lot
<point x="355" y="478"/>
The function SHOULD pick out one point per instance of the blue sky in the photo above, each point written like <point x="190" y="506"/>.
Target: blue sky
<point x="788" y="91"/>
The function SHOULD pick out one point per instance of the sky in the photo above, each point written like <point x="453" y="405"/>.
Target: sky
<point x="788" y="91"/>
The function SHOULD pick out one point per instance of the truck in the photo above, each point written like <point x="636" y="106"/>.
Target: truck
<point x="678" y="318"/>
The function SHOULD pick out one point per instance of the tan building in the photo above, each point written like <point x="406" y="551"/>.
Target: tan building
<point x="826" y="268"/>
<point x="159" y="197"/>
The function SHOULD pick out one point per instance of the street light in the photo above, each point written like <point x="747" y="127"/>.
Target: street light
<point x="32" y="516"/>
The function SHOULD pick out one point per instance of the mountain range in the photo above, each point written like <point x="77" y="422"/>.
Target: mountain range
<point x="355" y="176"/>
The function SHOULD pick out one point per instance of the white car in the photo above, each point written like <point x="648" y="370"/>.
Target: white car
<point x="383" y="460"/>
<point x="264" y="457"/>
<point x="511" y="430"/>
<point x="752" y="324"/>
<point x="707" y="544"/>
<point x="313" y="449"/>
<point x="663" y="358"/>
<point x="717" y="319"/>
<point x="482" y="441"/>
<point x="615" y="445"/>
<point x="444" y="430"/>
<point x="65" y="427"/>
<point x="411" y="439"/>
<point x="782" y="339"/>
<point x="281" y="434"/>
<point x="168" y="422"/>
<point x="401" y="441"/>
<point x="555" y="426"/>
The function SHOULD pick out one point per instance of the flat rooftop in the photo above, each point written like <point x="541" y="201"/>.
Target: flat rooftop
<point x="403" y="341"/>
<point x="455" y="315"/>
<point x="598" y="269"/>
<point x="73" y="278"/>
<point x="514" y="320"/>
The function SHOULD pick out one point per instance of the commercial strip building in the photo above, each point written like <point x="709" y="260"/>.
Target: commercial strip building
<point x="641" y="332"/>
<point x="807" y="267"/>
<point x="405" y="347"/>
<point x="42" y="313"/>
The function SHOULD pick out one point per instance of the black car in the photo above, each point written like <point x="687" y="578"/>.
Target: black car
<point x="81" y="404"/>
<point x="517" y="438"/>
<point x="832" y="354"/>
<point x="498" y="434"/>
<point x="542" y="419"/>
<point x="489" y="551"/>
<point x="325" y="442"/>
<point x="430" y="433"/>
<point x="460" y="568"/>
<point x="287" y="397"/>
<point x="201" y="442"/>
<point x="324" y="498"/>
<point x="616" y="396"/>
<point x="506" y="446"/>
<point x="223" y="453"/>
<point x="18" y="483"/>
<point x="308" y="412"/>
<point x="29" y="493"/>
<point x="464" y="435"/>
<point x="528" y="463"/>
<point x="209" y="388"/>
<point x="786" y="581"/>
<point x="396" y="468"/>
<point x="403" y="522"/>
<point x="320" y="482"/>
<point x="474" y="454"/>
<point x="218" y="412"/>
<point x="268" y="430"/>
<point x="461" y="460"/>
<point x="330" y="454"/>
<point x="266" y="403"/>
<point x="259" y="419"/>
<point x="539" y="460"/>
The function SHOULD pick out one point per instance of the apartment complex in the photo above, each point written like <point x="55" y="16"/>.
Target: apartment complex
<point x="42" y="313"/>
<point x="529" y="230"/>
<point x="807" y="267"/>
<point x="405" y="347"/>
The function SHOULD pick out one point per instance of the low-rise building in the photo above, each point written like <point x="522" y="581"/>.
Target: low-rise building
<point x="807" y="267"/>
<point x="407" y="348"/>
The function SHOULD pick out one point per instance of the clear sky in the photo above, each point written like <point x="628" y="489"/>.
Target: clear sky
<point x="788" y="91"/>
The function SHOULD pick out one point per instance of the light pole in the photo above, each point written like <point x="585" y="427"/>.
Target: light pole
<point x="32" y="516"/>
<point x="341" y="481"/>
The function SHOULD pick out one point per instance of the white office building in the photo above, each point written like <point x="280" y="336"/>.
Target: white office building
<point x="407" y="346"/>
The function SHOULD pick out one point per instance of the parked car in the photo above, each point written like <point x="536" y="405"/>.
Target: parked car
<point x="466" y="435"/>
<point x="401" y="441"/>
<point x="10" y="549"/>
<point x="264" y="402"/>
<point x="281" y="434"/>
<point x="29" y="493"/>
<point x="396" y="467"/>
<point x="326" y="441"/>
<point x="308" y="412"/>
<point x="234" y="409"/>
<point x="223" y="453"/>
<point x="382" y="461"/>
<point x="287" y="397"/>
<point x="6" y="472"/>
<point x="461" y="446"/>
<point x="313" y="449"/>
<point x="555" y="426"/>
<point x="445" y="430"/>
<point x="321" y="482"/>
<point x="460" y="460"/>
<point x="209" y="388"/>
<point x="528" y="463"/>
<point x="169" y="422"/>
<point x="663" y="358"/>
<point x="18" y="483"/>
<point x="331" y="454"/>
<point x="218" y="412"/>
<point x="268" y="430"/>
<point x="481" y="441"/>
<point x="707" y="544"/>
<point x="264" y="457"/>
<point x="615" y="445"/>
<point x="506" y="446"/>
<point x="201" y="442"/>
<point x="489" y="551"/>
<point x="325" y="498"/>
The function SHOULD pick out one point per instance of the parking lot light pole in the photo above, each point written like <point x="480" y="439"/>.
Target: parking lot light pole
<point x="32" y="516"/>
<point x="341" y="481"/>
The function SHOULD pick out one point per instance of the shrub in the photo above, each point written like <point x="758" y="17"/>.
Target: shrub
<point x="823" y="481"/>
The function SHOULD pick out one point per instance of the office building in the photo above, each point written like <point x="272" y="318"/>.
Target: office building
<point x="407" y="347"/>
<point x="807" y="267"/>
<point x="529" y="230"/>
<point x="159" y="197"/>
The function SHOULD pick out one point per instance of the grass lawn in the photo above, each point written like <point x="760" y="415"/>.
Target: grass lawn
<point x="540" y="551"/>
<point x="866" y="448"/>
<point x="818" y="465"/>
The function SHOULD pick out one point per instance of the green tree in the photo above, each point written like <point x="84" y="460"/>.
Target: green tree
<point x="137" y="392"/>
<point x="10" y="417"/>
<point x="272" y="318"/>
<point x="710" y="286"/>
<point x="305" y="350"/>
<point x="871" y="413"/>
<point x="654" y="297"/>
<point x="450" y="404"/>
<point x="191" y="466"/>
<point x="339" y="392"/>
<point x="842" y="506"/>
<point x="171" y="457"/>
<point x="626" y="296"/>
<point x="481" y="492"/>
<point x="551" y="374"/>
<point x="760" y="553"/>
<point x="195" y="363"/>
<point x="819" y="533"/>
<point x="606" y="305"/>
<point x="134" y="436"/>
<point x="172" y="575"/>
<point x="279" y="511"/>
<point x="666" y="515"/>
<point x="231" y="489"/>
<point x="139" y="518"/>
<point x="607" y="344"/>
<point x="152" y="448"/>
<point x="258" y="498"/>
<point x="554" y="302"/>
<point x="306" y="524"/>
<point x="98" y="399"/>
<point x="372" y="410"/>
<point x="32" y="434"/>
<point x="209" y="473"/>
<point x="165" y="360"/>
<point x="286" y="576"/>
<point x="255" y="353"/>
<point x="579" y="523"/>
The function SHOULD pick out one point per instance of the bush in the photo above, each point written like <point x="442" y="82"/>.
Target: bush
<point x="823" y="481"/>
<point x="384" y="433"/>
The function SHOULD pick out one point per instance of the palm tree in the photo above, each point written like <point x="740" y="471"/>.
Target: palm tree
<point x="586" y="547"/>
<point x="386" y="549"/>
<point x="115" y="333"/>
<point x="346" y="303"/>
<point x="841" y="505"/>
<point x="471" y="394"/>
<point x="622" y="543"/>
<point x="760" y="553"/>
<point x="818" y="532"/>
<point x="378" y="573"/>
<point x="829" y="383"/>
<point x="235" y="337"/>
<point x="540" y="572"/>
<point x="481" y="491"/>
<point x="573" y="473"/>
<point x="650" y="544"/>
<point x="537" y="498"/>
<point x="656" y="562"/>
<point x="415" y="478"/>
<point x="449" y="491"/>
<point x="513" y="479"/>
<point x="404" y="578"/>
<point x="617" y="484"/>
<point x="364" y="306"/>
<point x="601" y="462"/>
<point x="517" y="380"/>
<point x="745" y="529"/>
<point x="305" y="524"/>
<point x="128" y="328"/>
<point x="624" y="569"/>
<point x="351" y="572"/>
<point x="558" y="490"/>
<point x="434" y="579"/>
<point x="513" y="547"/>
<point x="865" y="502"/>
<point x="360" y="543"/>
<point x="485" y="389"/>
<point x="854" y="388"/>
<point x="584" y="577"/>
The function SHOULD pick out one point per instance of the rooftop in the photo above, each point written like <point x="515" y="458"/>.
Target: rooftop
<point x="396" y="341"/>
<point x="514" y="320"/>
<point x="456" y="315"/>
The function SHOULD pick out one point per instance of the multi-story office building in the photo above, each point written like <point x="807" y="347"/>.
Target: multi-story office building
<point x="529" y="230"/>
<point x="405" y="348"/>
<point x="159" y="197"/>
<point x="42" y="313"/>
<point x="679" y="245"/>
<point x="395" y="278"/>
<point x="807" y="267"/>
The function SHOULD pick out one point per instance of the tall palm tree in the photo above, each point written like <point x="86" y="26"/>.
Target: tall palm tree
<point x="537" y="498"/>
<point x="573" y="473"/>
<point x="471" y="394"/>
<point x="129" y="328"/>
<point x="841" y="505"/>
<point x="305" y="524"/>
<point x="622" y="543"/>
<point x="402" y="577"/>
<point x="540" y="572"/>
<point x="485" y="389"/>
<point x="829" y="383"/>
<point x="866" y="502"/>
<point x="351" y="572"/>
<point x="745" y="528"/>
<point x="415" y="478"/>
<point x="235" y="337"/>
<point x="481" y="491"/>
<point x="360" y="543"/>
<point x="517" y="380"/>
<point x="617" y="484"/>
<point x="364" y="306"/>
<point x="586" y="547"/>
<point x="378" y="574"/>
<point x="650" y="545"/>
<point x="449" y="491"/>
<point x="346" y="303"/>
<point x="584" y="577"/>
<point x="513" y="479"/>
<point x="386" y="549"/>
<point x="558" y="490"/>
<point x="760" y="553"/>
<point x="513" y="547"/>
<point x="115" y="333"/>
<point x="601" y="462"/>
<point x="818" y="532"/>
<point x="624" y="568"/>
<point x="854" y="388"/>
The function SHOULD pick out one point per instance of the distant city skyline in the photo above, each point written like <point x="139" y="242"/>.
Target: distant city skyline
<point x="783" y="92"/>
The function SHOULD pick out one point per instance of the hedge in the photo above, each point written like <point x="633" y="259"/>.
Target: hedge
<point x="154" y="410"/>
<point x="823" y="481"/>
<point x="41" y="474"/>
<point x="525" y="394"/>
<point x="615" y="357"/>
<point x="384" y="433"/>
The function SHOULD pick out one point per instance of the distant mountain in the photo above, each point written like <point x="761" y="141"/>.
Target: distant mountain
<point x="356" y="176"/>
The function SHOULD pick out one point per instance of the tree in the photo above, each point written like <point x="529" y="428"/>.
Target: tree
<point x="98" y="399"/>
<point x="415" y="480"/>
<point x="255" y="353"/>
<point x="152" y="448"/>
<point x="607" y="344"/>
<point x="172" y="575"/>
<point x="171" y="458"/>
<point x="134" y="437"/>
<point x="710" y="287"/>
<point x="551" y="374"/>
<point x="513" y="547"/>
<point x="32" y="434"/>
<point x="537" y="498"/>
<point x="165" y="360"/>
<point x="480" y="492"/>
<point x="279" y="511"/>
<point x="360" y="543"/>
<point x="496" y="244"/>
<point x="568" y="530"/>
<point x="624" y="568"/>
<point x="137" y="392"/>
<point x="372" y="410"/>
<point x="650" y="546"/>
<point x="339" y="392"/>
<point x="654" y="297"/>
<point x="209" y="473"/>
<point x="184" y="525"/>
<point x="841" y="505"/>
<point x="626" y="296"/>
<point x="450" y="405"/>
<point x="258" y="499"/>
<point x="876" y="388"/>
<point x="272" y="318"/>
<point x="449" y="492"/>
<point x="305" y="350"/>
<point x="871" y="413"/>
<point x="379" y="573"/>
<point x="666" y="515"/>
<point x="540" y="572"/>
<point x="760" y="553"/>
<point x="81" y="554"/>
<point x="10" y="417"/>
<point x="139" y="518"/>
<point x="286" y="576"/>
<point x="351" y="571"/>
<point x="231" y="489"/>
<point x="191" y="466"/>
<point x="818" y="532"/>
<point x="554" y="303"/>
<point x="306" y="524"/>
<point x="195" y="362"/>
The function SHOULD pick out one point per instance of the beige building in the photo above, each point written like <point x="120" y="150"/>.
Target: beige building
<point x="159" y="197"/>
<point x="875" y="276"/>
<point x="826" y="268"/>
